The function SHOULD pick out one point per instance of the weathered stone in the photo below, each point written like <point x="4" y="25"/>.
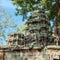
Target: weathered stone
<point x="37" y="44"/>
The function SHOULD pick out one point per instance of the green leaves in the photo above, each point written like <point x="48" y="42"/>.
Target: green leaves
<point x="22" y="28"/>
<point x="26" y="5"/>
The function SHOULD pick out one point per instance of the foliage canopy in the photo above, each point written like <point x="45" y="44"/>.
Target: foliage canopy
<point x="24" y="6"/>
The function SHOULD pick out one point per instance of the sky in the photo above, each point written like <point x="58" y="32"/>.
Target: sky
<point x="10" y="9"/>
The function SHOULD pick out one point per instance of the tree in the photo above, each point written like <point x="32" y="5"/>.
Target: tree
<point x="51" y="6"/>
<point x="5" y="23"/>
<point x="24" y="6"/>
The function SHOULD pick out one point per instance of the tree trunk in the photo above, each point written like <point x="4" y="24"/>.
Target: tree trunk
<point x="57" y="16"/>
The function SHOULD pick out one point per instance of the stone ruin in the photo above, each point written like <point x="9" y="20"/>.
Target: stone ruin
<point x="38" y="43"/>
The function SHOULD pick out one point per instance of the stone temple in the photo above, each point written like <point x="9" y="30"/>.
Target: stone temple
<point x="38" y="42"/>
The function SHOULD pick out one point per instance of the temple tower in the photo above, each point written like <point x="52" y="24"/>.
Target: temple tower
<point x="39" y="26"/>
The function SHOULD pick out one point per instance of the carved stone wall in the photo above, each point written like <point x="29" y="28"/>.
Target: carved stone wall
<point x="53" y="53"/>
<point x="23" y="55"/>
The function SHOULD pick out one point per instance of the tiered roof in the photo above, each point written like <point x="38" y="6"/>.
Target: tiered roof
<point x="38" y="22"/>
